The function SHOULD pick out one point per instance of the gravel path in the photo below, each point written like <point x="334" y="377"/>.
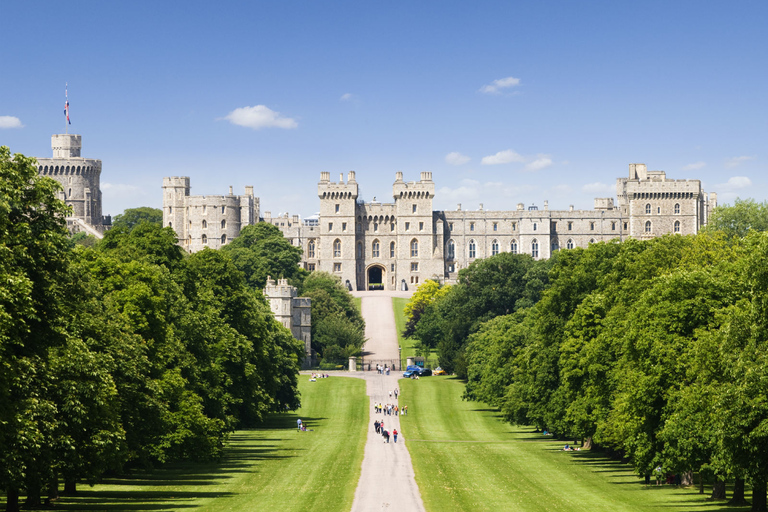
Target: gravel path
<point x="386" y="481"/>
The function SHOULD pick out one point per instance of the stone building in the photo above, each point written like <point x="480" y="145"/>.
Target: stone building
<point x="293" y="312"/>
<point x="400" y="244"/>
<point x="80" y="182"/>
<point x="206" y="221"/>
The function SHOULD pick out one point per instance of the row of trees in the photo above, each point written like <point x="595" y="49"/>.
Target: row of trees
<point x="127" y="351"/>
<point x="656" y="349"/>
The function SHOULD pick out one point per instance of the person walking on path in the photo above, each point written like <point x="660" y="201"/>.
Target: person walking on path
<point x="394" y="434"/>
<point x="376" y="426"/>
<point x="395" y="393"/>
<point x="386" y="436"/>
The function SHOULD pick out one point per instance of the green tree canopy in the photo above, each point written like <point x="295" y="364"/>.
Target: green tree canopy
<point x="738" y="220"/>
<point x="132" y="217"/>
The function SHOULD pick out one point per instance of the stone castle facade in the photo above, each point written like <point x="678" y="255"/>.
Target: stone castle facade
<point x="80" y="182"/>
<point x="398" y="245"/>
<point x="293" y="312"/>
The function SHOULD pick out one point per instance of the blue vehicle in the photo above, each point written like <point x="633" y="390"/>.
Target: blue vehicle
<point x="409" y="373"/>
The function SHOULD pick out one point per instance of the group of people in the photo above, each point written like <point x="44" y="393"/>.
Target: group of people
<point x="316" y="376"/>
<point x="379" y="426"/>
<point x="390" y="409"/>
<point x="382" y="369"/>
<point x="301" y="425"/>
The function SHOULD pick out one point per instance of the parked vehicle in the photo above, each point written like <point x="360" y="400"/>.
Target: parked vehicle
<point x="439" y="371"/>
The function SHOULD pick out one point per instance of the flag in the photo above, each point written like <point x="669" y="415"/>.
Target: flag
<point x="66" y="104"/>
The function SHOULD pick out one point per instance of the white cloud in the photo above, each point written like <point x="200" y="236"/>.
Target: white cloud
<point x="541" y="162"/>
<point x="456" y="158"/>
<point x="597" y="188"/>
<point x="497" y="86"/>
<point x="347" y="96"/>
<point x="694" y="166"/>
<point x="259" y="117"/>
<point x="503" y="157"/>
<point x="734" y="183"/>
<point x="737" y="160"/>
<point x="10" y="122"/>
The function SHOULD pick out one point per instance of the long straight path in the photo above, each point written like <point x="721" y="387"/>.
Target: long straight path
<point x="386" y="481"/>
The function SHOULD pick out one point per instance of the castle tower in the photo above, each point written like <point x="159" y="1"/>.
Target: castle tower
<point x="80" y="180"/>
<point x="416" y="230"/>
<point x="175" y="193"/>
<point x="294" y="313"/>
<point x="339" y="227"/>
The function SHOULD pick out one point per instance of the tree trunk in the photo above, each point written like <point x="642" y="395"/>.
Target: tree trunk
<point x="718" y="490"/>
<point x="758" y="496"/>
<point x="738" y="493"/>
<point x="686" y="478"/>
<point x="33" y="496"/>
<point x="53" y="489"/>
<point x="70" y="486"/>
<point x="701" y="483"/>
<point x="587" y="444"/>
<point x="12" y="500"/>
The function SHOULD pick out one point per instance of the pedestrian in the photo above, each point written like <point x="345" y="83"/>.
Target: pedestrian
<point x="394" y="433"/>
<point x="376" y="426"/>
<point x="395" y="393"/>
<point x="390" y="394"/>
<point x="396" y="410"/>
<point x="298" y="423"/>
<point x="386" y="436"/>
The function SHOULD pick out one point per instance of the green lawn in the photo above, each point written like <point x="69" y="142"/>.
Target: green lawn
<point x="270" y="468"/>
<point x="466" y="458"/>
<point x="358" y="303"/>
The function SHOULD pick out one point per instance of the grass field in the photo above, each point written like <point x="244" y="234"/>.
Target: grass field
<point x="465" y="458"/>
<point x="270" y="468"/>
<point x="358" y="301"/>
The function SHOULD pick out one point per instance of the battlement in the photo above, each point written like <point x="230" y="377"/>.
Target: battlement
<point x="66" y="145"/>
<point x="327" y="189"/>
<point x="424" y="188"/>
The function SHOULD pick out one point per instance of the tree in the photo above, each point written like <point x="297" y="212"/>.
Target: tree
<point x="425" y="294"/>
<point x="132" y="217"/>
<point x="260" y="251"/>
<point x="738" y="220"/>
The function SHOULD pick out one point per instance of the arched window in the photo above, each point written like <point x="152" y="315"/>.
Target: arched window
<point x="535" y="225"/>
<point x="205" y="240"/>
<point x="648" y="226"/>
<point x="337" y="248"/>
<point x="170" y="224"/>
<point x="555" y="245"/>
<point x="494" y="248"/>
<point x="311" y="249"/>
<point x="359" y="250"/>
<point x="677" y="208"/>
<point x="222" y="209"/>
<point x="648" y="209"/>
<point x="569" y="244"/>
<point x="677" y="226"/>
<point x="69" y="194"/>
<point x="472" y="249"/>
<point x="414" y="248"/>
<point x="513" y="247"/>
<point x="535" y="249"/>
<point x="451" y="250"/>
<point x="223" y="239"/>
<point x="223" y="224"/>
<point x="391" y="249"/>
<point x="375" y="249"/>
<point x="591" y="240"/>
<point x="205" y="224"/>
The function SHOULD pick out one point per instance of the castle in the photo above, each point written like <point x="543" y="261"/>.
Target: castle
<point x="400" y="244"/>
<point x="293" y="312"/>
<point x="80" y="182"/>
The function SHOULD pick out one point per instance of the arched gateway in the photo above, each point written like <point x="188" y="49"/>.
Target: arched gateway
<point x="375" y="277"/>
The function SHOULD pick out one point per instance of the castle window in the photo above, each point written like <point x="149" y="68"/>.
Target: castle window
<point x="570" y="226"/>
<point x="359" y="250"/>
<point x="677" y="208"/>
<point x="190" y="224"/>
<point x="392" y="227"/>
<point x="648" y="209"/>
<point x="223" y="224"/>
<point x="69" y="194"/>
<point x="569" y="244"/>
<point x="359" y="228"/>
<point x="613" y="226"/>
<point x="648" y="226"/>
<point x="413" y="209"/>
<point x="170" y="224"/>
<point x="414" y="266"/>
<point x="337" y="208"/>
<point x="375" y="249"/>
<point x="592" y="226"/>
<point x="330" y="226"/>
<point x="407" y="226"/>
<point x="535" y="249"/>
<point x="311" y="267"/>
<point x="223" y="239"/>
<point x="337" y="267"/>
<point x="535" y="225"/>
<point x="591" y="240"/>
<point x="170" y="209"/>
<point x="451" y="267"/>
<point x="414" y="248"/>
<point x="311" y="249"/>
<point x="203" y="208"/>
<point x="343" y="226"/>
<point x="495" y="226"/>
<point x="471" y="226"/>
<point x="658" y="209"/>
<point x="494" y="248"/>
<point x="205" y="224"/>
<point x="514" y="226"/>
<point x="222" y="209"/>
<point x="625" y="226"/>
<point x="450" y="226"/>
<point x="555" y="245"/>
<point x="472" y="249"/>
<point x="204" y="240"/>
<point x="451" y="250"/>
<point x="392" y="250"/>
<point x="513" y="247"/>
<point x="392" y="267"/>
<point x="375" y="227"/>
<point x="677" y="226"/>
<point x="554" y="226"/>
<point x="337" y="248"/>
<point x="421" y="226"/>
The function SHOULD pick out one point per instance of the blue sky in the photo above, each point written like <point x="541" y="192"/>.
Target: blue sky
<point x="504" y="102"/>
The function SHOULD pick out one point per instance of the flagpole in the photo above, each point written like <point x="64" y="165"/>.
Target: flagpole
<point x="66" y="114"/>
